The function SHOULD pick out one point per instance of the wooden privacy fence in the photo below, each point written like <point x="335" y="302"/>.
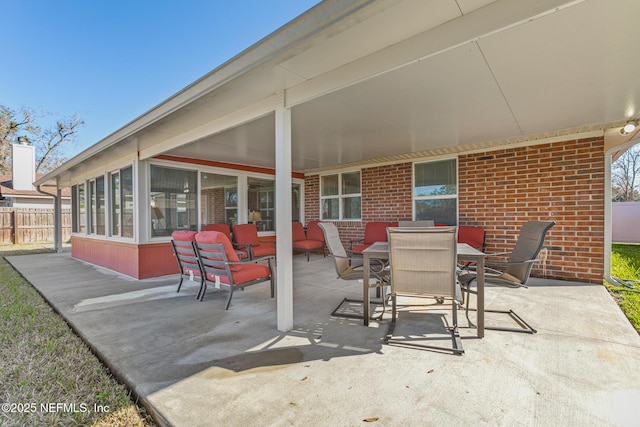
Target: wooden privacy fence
<point x="31" y="225"/>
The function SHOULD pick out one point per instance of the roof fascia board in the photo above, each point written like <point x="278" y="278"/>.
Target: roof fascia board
<point x="491" y="19"/>
<point x="236" y="118"/>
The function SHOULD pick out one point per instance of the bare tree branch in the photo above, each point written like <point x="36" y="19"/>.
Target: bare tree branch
<point x="625" y="175"/>
<point x="48" y="139"/>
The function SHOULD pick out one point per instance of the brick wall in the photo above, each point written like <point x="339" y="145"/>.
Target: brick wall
<point x="561" y="182"/>
<point x="501" y="190"/>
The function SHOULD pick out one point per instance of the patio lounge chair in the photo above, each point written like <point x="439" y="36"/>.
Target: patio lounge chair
<point x="246" y="238"/>
<point x="423" y="264"/>
<point x="182" y="242"/>
<point x="226" y="229"/>
<point x="222" y="267"/>
<point x="346" y="270"/>
<point x="517" y="269"/>
<point x="302" y="242"/>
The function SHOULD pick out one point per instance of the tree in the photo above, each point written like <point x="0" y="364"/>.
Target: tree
<point x="49" y="140"/>
<point x="625" y="177"/>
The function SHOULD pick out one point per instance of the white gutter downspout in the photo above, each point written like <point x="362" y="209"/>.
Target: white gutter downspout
<point x="57" y="216"/>
<point x="608" y="226"/>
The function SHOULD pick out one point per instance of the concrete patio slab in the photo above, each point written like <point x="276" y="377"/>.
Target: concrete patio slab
<point x="196" y="364"/>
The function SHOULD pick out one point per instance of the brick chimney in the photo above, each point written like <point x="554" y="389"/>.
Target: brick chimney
<point x="24" y="165"/>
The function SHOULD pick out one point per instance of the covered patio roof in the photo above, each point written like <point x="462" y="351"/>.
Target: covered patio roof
<point x="386" y="80"/>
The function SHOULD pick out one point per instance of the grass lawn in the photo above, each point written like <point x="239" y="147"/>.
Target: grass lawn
<point x="49" y="376"/>
<point x="625" y="264"/>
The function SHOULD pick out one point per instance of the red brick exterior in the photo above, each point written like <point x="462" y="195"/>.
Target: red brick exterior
<point x="500" y="190"/>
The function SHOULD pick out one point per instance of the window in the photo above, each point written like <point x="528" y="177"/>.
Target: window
<point x="116" y="213"/>
<point x="261" y="203"/>
<point x="219" y="198"/>
<point x="126" y="201"/>
<point x="173" y="200"/>
<point x="74" y="209"/>
<point x="97" y="207"/>
<point x="82" y="209"/>
<point x="435" y="191"/>
<point x="122" y="202"/>
<point x="261" y="194"/>
<point x="341" y="196"/>
<point x="295" y="202"/>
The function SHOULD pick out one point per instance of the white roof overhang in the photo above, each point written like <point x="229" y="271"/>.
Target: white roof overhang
<point x="390" y="80"/>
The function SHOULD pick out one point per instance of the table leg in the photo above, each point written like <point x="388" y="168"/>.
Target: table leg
<point x="480" y="283"/>
<point x="365" y="288"/>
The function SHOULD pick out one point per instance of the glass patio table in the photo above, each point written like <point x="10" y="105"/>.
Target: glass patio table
<point x="380" y="250"/>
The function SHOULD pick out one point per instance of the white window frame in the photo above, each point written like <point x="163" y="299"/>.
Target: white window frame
<point x="415" y="198"/>
<point x="242" y="176"/>
<point x="340" y="196"/>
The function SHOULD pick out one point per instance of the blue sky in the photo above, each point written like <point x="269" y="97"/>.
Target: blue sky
<point x="110" y="61"/>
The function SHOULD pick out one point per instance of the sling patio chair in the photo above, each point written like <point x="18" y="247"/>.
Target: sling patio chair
<point x="423" y="264"/>
<point x="182" y="242"/>
<point x="515" y="270"/>
<point x="348" y="271"/>
<point x="221" y="266"/>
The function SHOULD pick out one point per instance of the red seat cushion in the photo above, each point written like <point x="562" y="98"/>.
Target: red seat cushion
<point x="259" y="251"/>
<point x="307" y="245"/>
<point x="358" y="249"/>
<point x="246" y="273"/>
<point x="297" y="231"/>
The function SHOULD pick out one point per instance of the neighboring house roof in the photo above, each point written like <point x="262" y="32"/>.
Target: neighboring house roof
<point x="373" y="81"/>
<point x="6" y="189"/>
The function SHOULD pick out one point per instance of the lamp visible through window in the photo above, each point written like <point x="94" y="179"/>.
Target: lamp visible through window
<point x="254" y="216"/>
<point x="156" y="216"/>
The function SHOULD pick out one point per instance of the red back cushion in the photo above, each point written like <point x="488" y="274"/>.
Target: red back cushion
<point x="216" y="237"/>
<point x="473" y="236"/>
<point x="245" y="234"/>
<point x="297" y="231"/>
<point x="222" y="228"/>
<point x="184" y="235"/>
<point x="314" y="232"/>
<point x="375" y="232"/>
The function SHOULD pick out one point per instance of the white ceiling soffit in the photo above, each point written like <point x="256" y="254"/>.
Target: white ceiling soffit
<point x="395" y="78"/>
<point x="567" y="70"/>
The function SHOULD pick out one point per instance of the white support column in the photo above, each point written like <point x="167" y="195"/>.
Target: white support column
<point x="284" y="251"/>
<point x="57" y="220"/>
